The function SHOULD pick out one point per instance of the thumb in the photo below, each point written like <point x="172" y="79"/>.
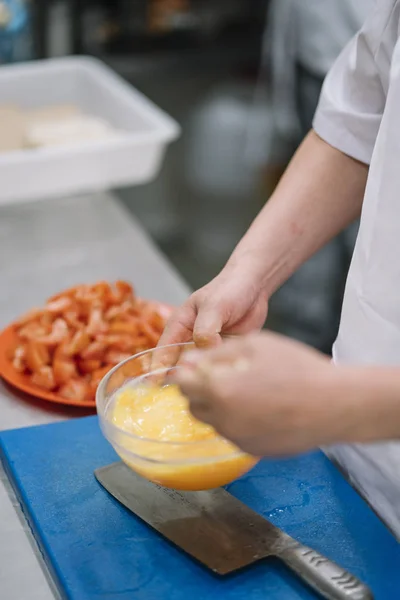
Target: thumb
<point x="208" y="326"/>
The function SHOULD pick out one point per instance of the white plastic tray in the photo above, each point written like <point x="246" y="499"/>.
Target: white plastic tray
<point x="133" y="158"/>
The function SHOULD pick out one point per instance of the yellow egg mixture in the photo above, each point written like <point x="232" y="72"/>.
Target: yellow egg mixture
<point x="161" y="413"/>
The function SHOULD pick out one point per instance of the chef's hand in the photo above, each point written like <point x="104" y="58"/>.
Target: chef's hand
<point x="269" y="395"/>
<point x="233" y="303"/>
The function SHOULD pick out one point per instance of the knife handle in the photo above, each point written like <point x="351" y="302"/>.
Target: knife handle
<point x="324" y="576"/>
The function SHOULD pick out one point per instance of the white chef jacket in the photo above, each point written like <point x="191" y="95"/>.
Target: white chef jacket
<point x="359" y="113"/>
<point x="323" y="29"/>
<point x="309" y="33"/>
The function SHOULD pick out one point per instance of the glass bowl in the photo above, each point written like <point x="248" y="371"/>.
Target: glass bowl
<point x="190" y="466"/>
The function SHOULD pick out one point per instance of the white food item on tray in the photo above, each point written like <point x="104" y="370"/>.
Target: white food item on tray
<point x="51" y="113"/>
<point x="12" y="128"/>
<point x="69" y="130"/>
<point x="50" y="126"/>
<point x="132" y="156"/>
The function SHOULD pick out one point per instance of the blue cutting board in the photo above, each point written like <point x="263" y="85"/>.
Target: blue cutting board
<point x="97" y="549"/>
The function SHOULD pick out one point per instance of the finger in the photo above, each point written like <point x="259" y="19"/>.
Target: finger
<point x="252" y="321"/>
<point x="179" y="328"/>
<point x="207" y="374"/>
<point x="192" y="358"/>
<point x="208" y="326"/>
<point x="209" y="385"/>
<point x="191" y="382"/>
<point x="195" y="388"/>
<point x="232" y="351"/>
<point x="178" y="331"/>
<point x="203" y="413"/>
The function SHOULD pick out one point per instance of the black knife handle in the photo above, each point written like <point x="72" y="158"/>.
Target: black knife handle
<point x="324" y="576"/>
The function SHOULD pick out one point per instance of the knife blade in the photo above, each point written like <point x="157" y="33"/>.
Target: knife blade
<point x="224" y="534"/>
<point x="212" y="526"/>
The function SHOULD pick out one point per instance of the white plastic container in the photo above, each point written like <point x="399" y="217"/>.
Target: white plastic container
<point x="134" y="157"/>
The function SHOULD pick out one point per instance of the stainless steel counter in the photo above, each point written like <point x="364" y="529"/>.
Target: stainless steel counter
<point x="44" y="247"/>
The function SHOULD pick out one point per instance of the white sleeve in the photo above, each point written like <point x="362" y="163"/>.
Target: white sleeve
<point x="354" y="93"/>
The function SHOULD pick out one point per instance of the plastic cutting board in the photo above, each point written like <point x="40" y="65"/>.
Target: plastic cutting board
<point x="96" y="549"/>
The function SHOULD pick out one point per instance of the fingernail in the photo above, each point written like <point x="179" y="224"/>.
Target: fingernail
<point x="206" y="340"/>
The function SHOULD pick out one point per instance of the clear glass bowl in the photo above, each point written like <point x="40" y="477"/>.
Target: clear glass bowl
<point x="191" y="466"/>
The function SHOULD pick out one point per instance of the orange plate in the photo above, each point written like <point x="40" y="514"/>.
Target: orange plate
<point x="22" y="382"/>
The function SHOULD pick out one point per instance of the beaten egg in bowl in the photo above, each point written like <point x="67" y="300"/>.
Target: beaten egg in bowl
<point x="153" y="431"/>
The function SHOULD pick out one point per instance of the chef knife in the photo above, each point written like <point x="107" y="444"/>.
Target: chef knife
<point x="224" y="534"/>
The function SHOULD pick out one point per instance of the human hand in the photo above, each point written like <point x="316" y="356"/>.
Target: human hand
<point x="269" y="395"/>
<point x="232" y="303"/>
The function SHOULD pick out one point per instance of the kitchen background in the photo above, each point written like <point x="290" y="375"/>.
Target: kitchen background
<point x="232" y="74"/>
